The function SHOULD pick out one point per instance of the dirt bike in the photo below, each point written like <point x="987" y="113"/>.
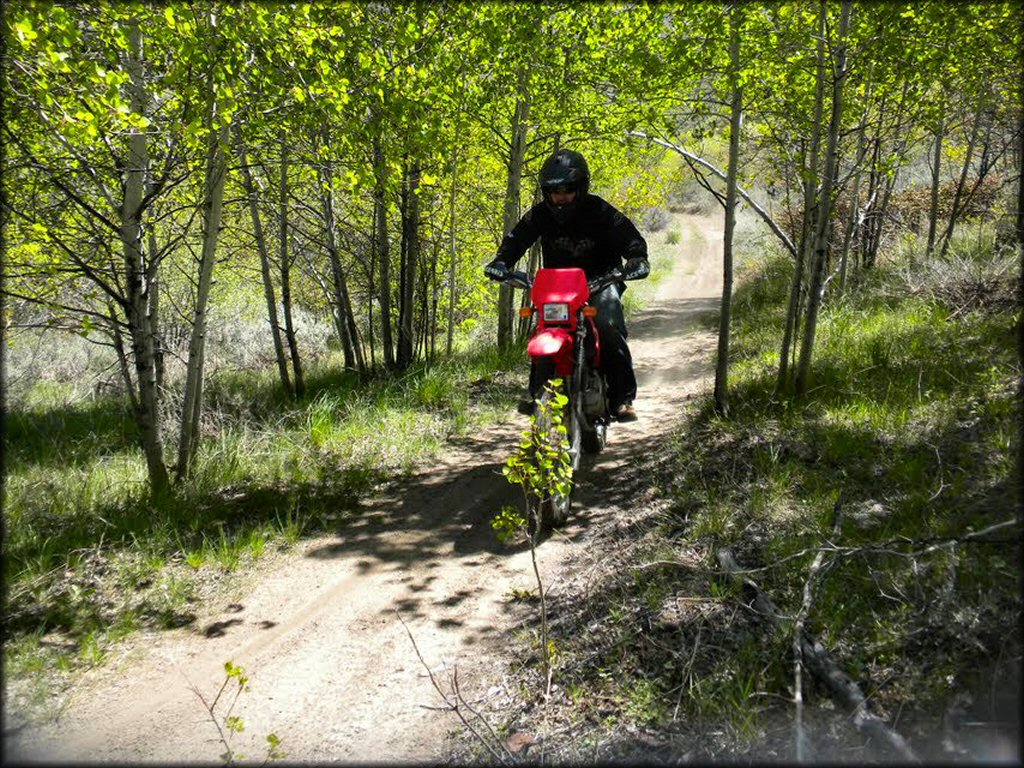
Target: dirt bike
<point x="565" y="345"/>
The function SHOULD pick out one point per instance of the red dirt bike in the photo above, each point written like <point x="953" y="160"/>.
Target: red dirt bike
<point x="565" y="345"/>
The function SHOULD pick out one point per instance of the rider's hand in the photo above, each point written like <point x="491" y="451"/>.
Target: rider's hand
<point x="636" y="268"/>
<point x="496" y="270"/>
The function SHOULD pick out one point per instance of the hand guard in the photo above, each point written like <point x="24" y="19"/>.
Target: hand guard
<point x="636" y="268"/>
<point x="496" y="270"/>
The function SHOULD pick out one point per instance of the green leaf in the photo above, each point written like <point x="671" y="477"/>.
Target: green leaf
<point x="25" y="32"/>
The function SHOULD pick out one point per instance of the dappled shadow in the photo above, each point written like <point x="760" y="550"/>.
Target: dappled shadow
<point x="672" y="318"/>
<point x="68" y="436"/>
<point x="439" y="512"/>
<point x="219" y="628"/>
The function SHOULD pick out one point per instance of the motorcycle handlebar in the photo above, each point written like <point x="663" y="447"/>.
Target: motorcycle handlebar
<point x="520" y="279"/>
<point x="602" y="282"/>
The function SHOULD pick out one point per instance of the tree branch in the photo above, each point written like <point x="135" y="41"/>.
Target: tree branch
<point x="839" y="684"/>
<point x="741" y="192"/>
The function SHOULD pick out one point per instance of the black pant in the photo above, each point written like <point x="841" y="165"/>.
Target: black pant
<point x="616" y="360"/>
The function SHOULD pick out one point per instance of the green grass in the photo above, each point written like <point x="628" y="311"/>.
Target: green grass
<point x="90" y="555"/>
<point x="909" y="429"/>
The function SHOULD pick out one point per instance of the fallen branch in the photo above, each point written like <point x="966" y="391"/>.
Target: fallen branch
<point x="456" y="703"/>
<point x="798" y="633"/>
<point x="880" y="548"/>
<point x="841" y="688"/>
<point x="742" y="193"/>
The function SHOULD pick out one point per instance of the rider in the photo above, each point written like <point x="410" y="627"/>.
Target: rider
<point x="580" y="229"/>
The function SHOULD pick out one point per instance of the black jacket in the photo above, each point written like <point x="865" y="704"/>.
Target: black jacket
<point x="596" y="238"/>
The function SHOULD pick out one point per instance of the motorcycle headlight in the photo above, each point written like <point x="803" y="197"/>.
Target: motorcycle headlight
<point x="556" y="313"/>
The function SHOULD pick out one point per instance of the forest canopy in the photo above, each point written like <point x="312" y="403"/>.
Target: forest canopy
<point x="169" y="166"/>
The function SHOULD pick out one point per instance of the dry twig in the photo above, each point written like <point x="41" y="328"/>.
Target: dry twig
<point x="456" y="703"/>
<point x="839" y="684"/>
<point x="798" y="633"/>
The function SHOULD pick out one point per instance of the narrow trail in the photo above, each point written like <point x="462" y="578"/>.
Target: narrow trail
<point x="322" y="629"/>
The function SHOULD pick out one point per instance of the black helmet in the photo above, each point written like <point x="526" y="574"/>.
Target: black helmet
<point x="565" y="168"/>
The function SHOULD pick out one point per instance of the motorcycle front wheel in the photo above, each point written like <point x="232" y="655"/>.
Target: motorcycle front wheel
<point x="594" y="438"/>
<point x="554" y="511"/>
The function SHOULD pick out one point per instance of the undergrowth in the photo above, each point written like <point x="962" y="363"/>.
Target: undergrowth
<point x="90" y="556"/>
<point x="901" y="452"/>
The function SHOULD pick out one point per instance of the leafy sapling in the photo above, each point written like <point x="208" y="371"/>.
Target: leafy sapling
<point x="541" y="467"/>
<point x="228" y="724"/>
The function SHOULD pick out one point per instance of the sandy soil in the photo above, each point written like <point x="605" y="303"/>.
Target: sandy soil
<point x="324" y="631"/>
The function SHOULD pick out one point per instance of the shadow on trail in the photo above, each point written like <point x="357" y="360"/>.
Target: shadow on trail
<point x="438" y="512"/>
<point x="413" y="525"/>
<point x="446" y="511"/>
<point x="673" y="318"/>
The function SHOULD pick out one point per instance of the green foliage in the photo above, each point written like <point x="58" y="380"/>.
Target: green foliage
<point x="509" y="524"/>
<point x="908" y="431"/>
<point x="541" y="465"/>
<point x="230" y="725"/>
<point x="276" y="471"/>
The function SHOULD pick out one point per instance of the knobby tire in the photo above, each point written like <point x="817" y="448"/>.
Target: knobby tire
<point x="554" y="511"/>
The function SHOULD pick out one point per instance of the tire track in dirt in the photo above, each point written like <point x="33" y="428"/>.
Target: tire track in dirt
<point x="332" y="670"/>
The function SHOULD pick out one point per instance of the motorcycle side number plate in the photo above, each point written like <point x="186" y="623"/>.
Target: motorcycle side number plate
<point x="556" y="313"/>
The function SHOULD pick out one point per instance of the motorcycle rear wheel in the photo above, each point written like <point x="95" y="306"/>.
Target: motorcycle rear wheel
<point x="554" y="511"/>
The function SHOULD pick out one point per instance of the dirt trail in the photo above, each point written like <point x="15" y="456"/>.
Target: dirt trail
<point x="332" y="669"/>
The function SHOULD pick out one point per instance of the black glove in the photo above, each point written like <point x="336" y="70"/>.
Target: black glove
<point x="496" y="270"/>
<point x="636" y="268"/>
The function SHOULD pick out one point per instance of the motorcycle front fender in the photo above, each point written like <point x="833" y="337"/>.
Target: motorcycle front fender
<point x="549" y="342"/>
<point x="556" y="343"/>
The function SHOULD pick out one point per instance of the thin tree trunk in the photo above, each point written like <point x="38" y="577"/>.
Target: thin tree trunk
<point x="268" y="281"/>
<point x="344" y="319"/>
<point x="821" y="238"/>
<point x="286" y="281"/>
<point x="933" y="207"/>
<point x="853" y="219"/>
<point x="1019" y="232"/>
<point x="147" y="411"/>
<point x="382" y="248"/>
<point x="810" y="210"/>
<point x="873" y="228"/>
<point x="435" y="299"/>
<point x="410" y="257"/>
<point x="888" y="185"/>
<point x="869" y="213"/>
<point x="372" y="291"/>
<point x="452" y="274"/>
<point x="122" y="357"/>
<point x="510" y="214"/>
<point x="735" y="123"/>
<point x="523" y="327"/>
<point x="954" y="212"/>
<point x="153" y="312"/>
<point x="192" y="407"/>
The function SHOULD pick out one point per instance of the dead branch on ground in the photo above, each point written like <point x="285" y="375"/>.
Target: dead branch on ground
<point x="798" y="633"/>
<point x="841" y="688"/>
<point x="456" y="702"/>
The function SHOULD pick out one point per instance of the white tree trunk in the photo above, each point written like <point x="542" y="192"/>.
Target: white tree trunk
<point x="147" y="413"/>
